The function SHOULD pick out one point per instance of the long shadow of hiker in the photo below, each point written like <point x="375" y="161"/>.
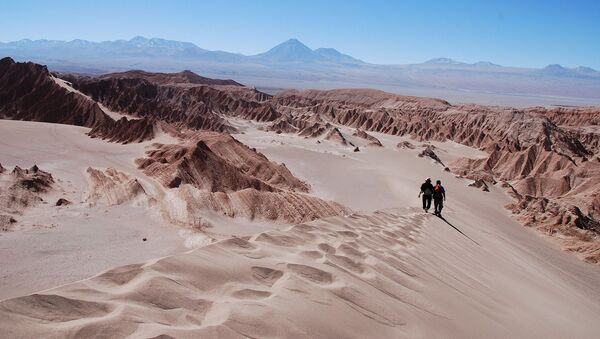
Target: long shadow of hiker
<point x="459" y="231"/>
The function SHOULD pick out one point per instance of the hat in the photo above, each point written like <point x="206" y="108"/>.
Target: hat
<point x="428" y="179"/>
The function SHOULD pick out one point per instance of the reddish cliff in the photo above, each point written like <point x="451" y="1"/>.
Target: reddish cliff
<point x="28" y="92"/>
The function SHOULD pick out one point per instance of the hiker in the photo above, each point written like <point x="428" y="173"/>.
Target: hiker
<point x="427" y="191"/>
<point x="439" y="196"/>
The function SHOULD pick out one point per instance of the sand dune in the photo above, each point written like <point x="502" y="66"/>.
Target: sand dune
<point x="52" y="245"/>
<point x="395" y="273"/>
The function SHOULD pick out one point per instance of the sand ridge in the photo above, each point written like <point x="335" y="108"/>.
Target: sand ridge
<point x="394" y="273"/>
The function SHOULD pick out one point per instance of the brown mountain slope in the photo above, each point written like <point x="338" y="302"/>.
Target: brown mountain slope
<point x="191" y="106"/>
<point x="28" y="92"/>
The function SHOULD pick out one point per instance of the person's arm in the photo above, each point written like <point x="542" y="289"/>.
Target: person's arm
<point x="421" y="191"/>
<point x="444" y="194"/>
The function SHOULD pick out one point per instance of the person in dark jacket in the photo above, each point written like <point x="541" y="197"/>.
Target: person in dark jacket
<point x="427" y="191"/>
<point x="439" y="196"/>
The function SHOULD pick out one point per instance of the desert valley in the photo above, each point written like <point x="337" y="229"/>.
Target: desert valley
<point x="163" y="205"/>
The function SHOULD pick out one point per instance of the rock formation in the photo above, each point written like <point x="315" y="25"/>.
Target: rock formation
<point x="111" y="187"/>
<point x="125" y="130"/>
<point x="196" y="105"/>
<point x="63" y="202"/>
<point x="405" y="145"/>
<point x="480" y="183"/>
<point x="19" y="190"/>
<point x="214" y="172"/>
<point x="429" y="153"/>
<point x="337" y="137"/>
<point x="28" y="92"/>
<point x="371" y="139"/>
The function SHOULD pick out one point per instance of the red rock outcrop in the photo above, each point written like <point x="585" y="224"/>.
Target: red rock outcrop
<point x="188" y="105"/>
<point x="111" y="187"/>
<point x="28" y="92"/>
<point x="217" y="163"/>
<point x="481" y="184"/>
<point x="249" y="161"/>
<point x="199" y="166"/>
<point x="371" y="139"/>
<point x="125" y="130"/>
<point x="570" y="116"/>
<point x="429" y="153"/>
<point x="405" y="145"/>
<point x="19" y="190"/>
<point x="214" y="172"/>
<point x="334" y="135"/>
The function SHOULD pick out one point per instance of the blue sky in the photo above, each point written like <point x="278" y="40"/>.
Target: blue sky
<point x="514" y="33"/>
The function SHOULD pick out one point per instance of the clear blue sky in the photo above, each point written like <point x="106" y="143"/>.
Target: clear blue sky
<point x="516" y="33"/>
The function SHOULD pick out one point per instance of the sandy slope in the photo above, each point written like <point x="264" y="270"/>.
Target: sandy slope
<point x="397" y="273"/>
<point x="56" y="245"/>
<point x="392" y="273"/>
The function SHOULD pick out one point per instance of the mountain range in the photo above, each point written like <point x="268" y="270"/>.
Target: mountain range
<point x="292" y="64"/>
<point x="291" y="50"/>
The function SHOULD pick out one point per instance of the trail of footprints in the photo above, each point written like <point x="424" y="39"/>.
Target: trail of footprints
<point x="201" y="288"/>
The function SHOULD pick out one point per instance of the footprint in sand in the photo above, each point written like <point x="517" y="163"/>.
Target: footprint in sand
<point x="351" y="251"/>
<point x="346" y="263"/>
<point x="311" y="273"/>
<point x="265" y="275"/>
<point x="348" y="234"/>
<point x="251" y="294"/>
<point x="326" y="248"/>
<point x="312" y="254"/>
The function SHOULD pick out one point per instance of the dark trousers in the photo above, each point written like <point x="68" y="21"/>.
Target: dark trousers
<point x="426" y="201"/>
<point x="438" y="204"/>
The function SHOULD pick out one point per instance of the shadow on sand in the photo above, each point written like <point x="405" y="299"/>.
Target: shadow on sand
<point x="459" y="231"/>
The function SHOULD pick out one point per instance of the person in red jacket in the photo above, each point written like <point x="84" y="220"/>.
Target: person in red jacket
<point x="439" y="196"/>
